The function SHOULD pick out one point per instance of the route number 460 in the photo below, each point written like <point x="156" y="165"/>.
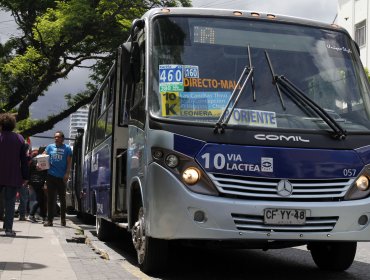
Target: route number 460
<point x="349" y="172"/>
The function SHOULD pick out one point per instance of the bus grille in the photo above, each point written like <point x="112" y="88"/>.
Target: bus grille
<point x="266" y="188"/>
<point x="255" y="223"/>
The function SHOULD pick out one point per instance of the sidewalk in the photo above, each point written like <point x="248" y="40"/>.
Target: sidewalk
<point x="35" y="253"/>
<point x="72" y="252"/>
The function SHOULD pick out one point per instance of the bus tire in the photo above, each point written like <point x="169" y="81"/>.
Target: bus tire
<point x="151" y="252"/>
<point x="334" y="256"/>
<point x="104" y="229"/>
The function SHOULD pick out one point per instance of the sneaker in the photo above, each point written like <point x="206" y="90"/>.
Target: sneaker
<point x="10" y="233"/>
<point x="32" y="219"/>
<point x="22" y="218"/>
<point x="48" y="224"/>
<point x="63" y="222"/>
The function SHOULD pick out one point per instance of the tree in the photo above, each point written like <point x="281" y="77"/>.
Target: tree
<point x="57" y="37"/>
<point x="367" y="74"/>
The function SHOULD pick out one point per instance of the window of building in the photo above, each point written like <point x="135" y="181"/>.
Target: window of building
<point x="360" y="33"/>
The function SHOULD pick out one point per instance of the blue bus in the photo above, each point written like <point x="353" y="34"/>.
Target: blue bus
<point x="233" y="128"/>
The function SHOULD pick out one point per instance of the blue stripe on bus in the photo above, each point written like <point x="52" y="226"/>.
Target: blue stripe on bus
<point x="186" y="145"/>
<point x="364" y="153"/>
<point x="274" y="162"/>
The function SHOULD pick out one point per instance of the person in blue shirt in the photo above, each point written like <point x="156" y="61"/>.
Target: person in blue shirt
<point x="60" y="158"/>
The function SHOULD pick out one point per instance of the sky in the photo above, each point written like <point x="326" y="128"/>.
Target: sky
<point x="53" y="101"/>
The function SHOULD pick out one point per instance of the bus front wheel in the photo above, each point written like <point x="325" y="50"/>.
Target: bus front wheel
<point x="151" y="252"/>
<point x="335" y="256"/>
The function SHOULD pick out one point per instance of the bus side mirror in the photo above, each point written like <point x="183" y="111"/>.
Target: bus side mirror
<point x="135" y="62"/>
<point x="125" y="62"/>
<point x="130" y="60"/>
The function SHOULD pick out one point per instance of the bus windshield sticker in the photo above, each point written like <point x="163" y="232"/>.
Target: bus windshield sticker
<point x="194" y="104"/>
<point x="191" y="71"/>
<point x="171" y="78"/>
<point x="210" y="83"/>
<point x="253" y="118"/>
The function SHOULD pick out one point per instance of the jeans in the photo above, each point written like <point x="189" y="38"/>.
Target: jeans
<point x="40" y="201"/>
<point x="23" y="200"/>
<point x="9" y="194"/>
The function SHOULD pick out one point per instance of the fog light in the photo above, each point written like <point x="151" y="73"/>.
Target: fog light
<point x="172" y="161"/>
<point x="363" y="220"/>
<point x="191" y="175"/>
<point x="199" y="216"/>
<point x="362" y="183"/>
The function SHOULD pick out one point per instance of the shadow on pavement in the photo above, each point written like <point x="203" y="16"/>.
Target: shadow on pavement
<point x="18" y="266"/>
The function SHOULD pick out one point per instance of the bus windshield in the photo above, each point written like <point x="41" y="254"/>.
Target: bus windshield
<point x="197" y="62"/>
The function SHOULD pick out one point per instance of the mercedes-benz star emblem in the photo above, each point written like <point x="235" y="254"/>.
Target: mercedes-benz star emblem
<point x="284" y="188"/>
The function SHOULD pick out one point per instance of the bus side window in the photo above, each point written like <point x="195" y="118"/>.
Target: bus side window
<point x="124" y="86"/>
<point x="112" y="88"/>
<point x="124" y="103"/>
<point x="92" y="124"/>
<point x="100" y="128"/>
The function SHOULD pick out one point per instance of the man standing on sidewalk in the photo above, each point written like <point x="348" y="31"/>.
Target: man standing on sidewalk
<point x="60" y="165"/>
<point x="13" y="167"/>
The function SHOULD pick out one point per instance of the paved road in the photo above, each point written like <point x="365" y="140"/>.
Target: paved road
<point x="195" y="263"/>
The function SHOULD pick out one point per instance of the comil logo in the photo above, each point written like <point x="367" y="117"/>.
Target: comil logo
<point x="267" y="164"/>
<point x="272" y="137"/>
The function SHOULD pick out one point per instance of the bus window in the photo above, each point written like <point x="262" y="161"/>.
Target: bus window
<point x="92" y="125"/>
<point x="100" y="129"/>
<point x="103" y="98"/>
<point x="108" y="130"/>
<point x="112" y="87"/>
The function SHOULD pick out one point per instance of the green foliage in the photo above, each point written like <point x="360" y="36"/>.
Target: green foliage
<point x="32" y="63"/>
<point x="56" y="37"/>
<point x="26" y="124"/>
<point x="367" y="73"/>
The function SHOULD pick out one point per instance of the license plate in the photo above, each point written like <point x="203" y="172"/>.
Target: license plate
<point x="275" y="216"/>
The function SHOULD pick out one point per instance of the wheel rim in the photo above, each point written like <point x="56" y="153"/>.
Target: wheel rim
<point x="138" y="236"/>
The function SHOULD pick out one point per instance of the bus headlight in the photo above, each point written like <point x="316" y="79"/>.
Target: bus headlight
<point x="362" y="183"/>
<point x="191" y="175"/>
<point x="360" y="188"/>
<point x="185" y="169"/>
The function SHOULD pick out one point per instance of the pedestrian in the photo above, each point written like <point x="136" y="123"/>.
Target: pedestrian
<point x="13" y="166"/>
<point x="37" y="182"/>
<point x="1" y="201"/>
<point x="60" y="158"/>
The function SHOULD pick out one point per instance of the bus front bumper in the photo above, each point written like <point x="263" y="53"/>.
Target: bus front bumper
<point x="176" y="213"/>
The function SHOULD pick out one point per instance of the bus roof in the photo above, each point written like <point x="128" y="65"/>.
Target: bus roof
<point x="211" y="12"/>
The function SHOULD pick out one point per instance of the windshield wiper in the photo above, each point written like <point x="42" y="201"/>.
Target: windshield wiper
<point x="300" y="96"/>
<point x="248" y="72"/>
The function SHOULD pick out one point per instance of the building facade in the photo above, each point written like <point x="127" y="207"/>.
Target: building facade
<point x="353" y="15"/>
<point x="77" y="120"/>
